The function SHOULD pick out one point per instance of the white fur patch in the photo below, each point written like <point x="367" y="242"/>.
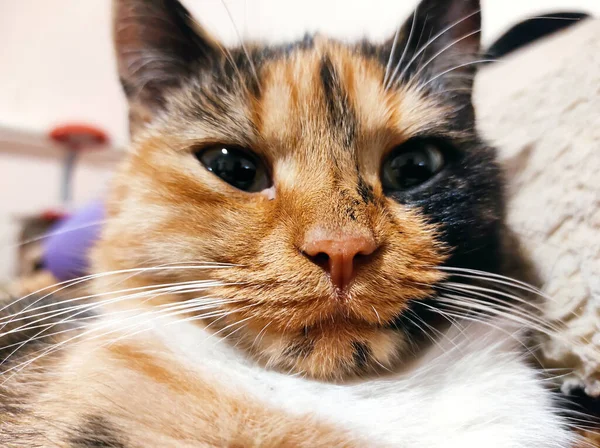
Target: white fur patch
<point x="472" y="389"/>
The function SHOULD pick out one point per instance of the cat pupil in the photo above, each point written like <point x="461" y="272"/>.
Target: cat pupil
<point x="411" y="169"/>
<point x="236" y="167"/>
<point x="408" y="168"/>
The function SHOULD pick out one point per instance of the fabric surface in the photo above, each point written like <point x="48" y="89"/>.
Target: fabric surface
<point x="541" y="108"/>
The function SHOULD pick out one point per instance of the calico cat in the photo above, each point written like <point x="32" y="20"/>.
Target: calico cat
<point x="290" y="256"/>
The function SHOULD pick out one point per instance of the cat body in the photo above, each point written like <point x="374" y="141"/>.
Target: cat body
<point x="289" y="256"/>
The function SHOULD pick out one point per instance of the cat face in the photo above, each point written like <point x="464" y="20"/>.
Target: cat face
<point x="334" y="178"/>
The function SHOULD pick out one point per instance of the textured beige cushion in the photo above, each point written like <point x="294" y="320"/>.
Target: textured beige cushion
<point x="541" y="108"/>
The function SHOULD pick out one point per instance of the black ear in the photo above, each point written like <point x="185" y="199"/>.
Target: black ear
<point x="158" y="46"/>
<point x="437" y="46"/>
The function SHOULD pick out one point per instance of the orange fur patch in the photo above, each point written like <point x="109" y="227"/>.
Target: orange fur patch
<point x="160" y="403"/>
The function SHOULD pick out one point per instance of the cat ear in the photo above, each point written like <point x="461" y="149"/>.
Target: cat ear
<point x="158" y="45"/>
<point x="439" y="44"/>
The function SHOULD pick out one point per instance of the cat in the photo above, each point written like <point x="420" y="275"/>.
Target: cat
<point x="290" y="256"/>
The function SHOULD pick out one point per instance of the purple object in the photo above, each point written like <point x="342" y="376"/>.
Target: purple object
<point x="67" y="248"/>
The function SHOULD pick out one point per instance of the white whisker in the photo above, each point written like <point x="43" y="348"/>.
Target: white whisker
<point x="412" y="28"/>
<point x="241" y="41"/>
<point x="58" y="232"/>
<point x="390" y="57"/>
<point x="431" y="41"/>
<point x="443" y="50"/>
<point x="456" y="67"/>
<point x="135" y="271"/>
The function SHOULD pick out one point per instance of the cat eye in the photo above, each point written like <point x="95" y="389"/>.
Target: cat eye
<point x="238" y="167"/>
<point x="411" y="164"/>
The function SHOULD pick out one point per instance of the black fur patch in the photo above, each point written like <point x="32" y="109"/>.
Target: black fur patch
<point x="362" y="355"/>
<point x="341" y="116"/>
<point x="96" y="431"/>
<point x="365" y="191"/>
<point x="466" y="203"/>
<point x="579" y="408"/>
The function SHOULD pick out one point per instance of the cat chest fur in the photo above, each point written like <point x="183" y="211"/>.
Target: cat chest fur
<point x="472" y="390"/>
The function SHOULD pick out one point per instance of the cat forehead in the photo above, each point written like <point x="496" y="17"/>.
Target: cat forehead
<point x="340" y="90"/>
<point x="314" y="93"/>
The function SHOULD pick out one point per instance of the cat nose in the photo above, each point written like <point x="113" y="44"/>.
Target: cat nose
<point x="337" y="252"/>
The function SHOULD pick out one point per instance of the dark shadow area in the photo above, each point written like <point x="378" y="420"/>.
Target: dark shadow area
<point x="530" y="30"/>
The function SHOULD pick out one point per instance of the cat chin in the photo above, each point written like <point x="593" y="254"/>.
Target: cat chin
<point x="332" y="349"/>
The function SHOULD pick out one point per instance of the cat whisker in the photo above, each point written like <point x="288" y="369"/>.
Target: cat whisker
<point x="202" y="317"/>
<point x="241" y="323"/>
<point x="426" y="45"/>
<point x="202" y="300"/>
<point x="390" y="57"/>
<point x="456" y="67"/>
<point x="573" y="19"/>
<point x="484" y="308"/>
<point x="181" y="286"/>
<point x="57" y="232"/>
<point x="49" y="325"/>
<point x="241" y="41"/>
<point x="102" y="324"/>
<point x="70" y="319"/>
<point x="153" y="292"/>
<point x="475" y="290"/>
<point x="191" y="309"/>
<point x="133" y="271"/>
<point x="502" y="280"/>
<point x="67" y="321"/>
<point x="376" y="314"/>
<point x="460" y="313"/>
<point x="425" y="333"/>
<point x="476" y="274"/>
<point x="514" y="312"/>
<point x="410" y="34"/>
<point x="261" y="334"/>
<point x="420" y="36"/>
<point x="231" y="60"/>
<point x="455" y="90"/>
<point x="430" y="327"/>
<point x="219" y="314"/>
<point x="469" y="307"/>
<point x="237" y="322"/>
<point x="443" y="50"/>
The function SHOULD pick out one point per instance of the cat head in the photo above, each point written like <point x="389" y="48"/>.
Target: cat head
<point x="333" y="179"/>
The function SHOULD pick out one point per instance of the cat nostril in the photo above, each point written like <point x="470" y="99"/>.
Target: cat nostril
<point x="320" y="259"/>
<point x="337" y="252"/>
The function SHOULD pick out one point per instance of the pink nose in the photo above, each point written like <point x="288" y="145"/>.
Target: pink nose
<point x="336" y="253"/>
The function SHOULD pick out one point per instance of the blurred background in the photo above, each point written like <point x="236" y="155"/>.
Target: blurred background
<point x="57" y="68"/>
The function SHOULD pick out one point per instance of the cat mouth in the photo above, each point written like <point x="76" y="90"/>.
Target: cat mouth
<point x="341" y="312"/>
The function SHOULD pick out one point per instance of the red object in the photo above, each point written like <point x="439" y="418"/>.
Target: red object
<point x="78" y="136"/>
<point x="53" y="215"/>
<point x="75" y="137"/>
